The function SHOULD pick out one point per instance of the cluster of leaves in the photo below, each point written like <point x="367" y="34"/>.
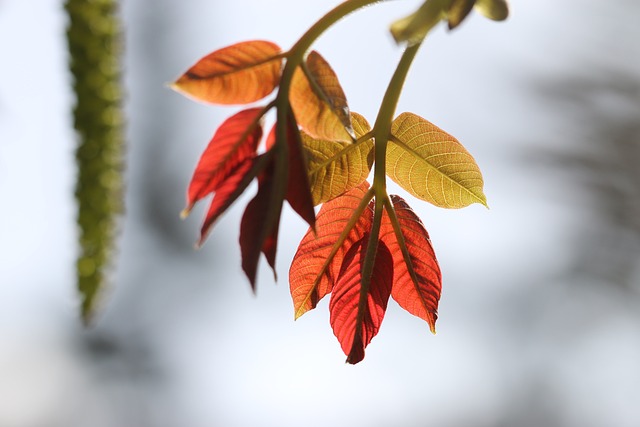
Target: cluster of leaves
<point x="363" y="246"/>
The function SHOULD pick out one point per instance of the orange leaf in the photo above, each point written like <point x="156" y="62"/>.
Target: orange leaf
<point x="318" y="101"/>
<point x="355" y="313"/>
<point x="237" y="74"/>
<point x="234" y="142"/>
<point x="310" y="280"/>
<point x="417" y="280"/>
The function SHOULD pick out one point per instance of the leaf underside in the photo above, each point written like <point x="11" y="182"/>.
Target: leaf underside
<point x="355" y="313"/>
<point x="336" y="167"/>
<point x="252" y="241"/>
<point x="417" y="280"/>
<point x="432" y="165"/>
<point x="318" y="101"/>
<point x="308" y="283"/>
<point x="238" y="74"/>
<point x="232" y="144"/>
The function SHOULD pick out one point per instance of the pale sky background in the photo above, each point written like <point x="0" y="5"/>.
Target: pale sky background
<point x="522" y="340"/>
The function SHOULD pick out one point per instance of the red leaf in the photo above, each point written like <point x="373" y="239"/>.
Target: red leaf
<point x="234" y="142"/>
<point x="418" y="282"/>
<point x="356" y="313"/>
<point x="307" y="281"/>
<point x="237" y="74"/>
<point x="229" y="190"/>
<point x="298" y="190"/>
<point x="252" y="239"/>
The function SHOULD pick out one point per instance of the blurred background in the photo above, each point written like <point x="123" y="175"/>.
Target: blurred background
<point x="540" y="313"/>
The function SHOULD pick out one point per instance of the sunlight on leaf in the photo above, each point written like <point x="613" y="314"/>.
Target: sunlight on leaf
<point x="237" y="74"/>
<point x="432" y="165"/>
<point x="225" y="194"/>
<point x="335" y="167"/>
<point x="318" y="101"/>
<point x="307" y="281"/>
<point x="417" y="280"/>
<point x="235" y="141"/>
<point x="354" y="322"/>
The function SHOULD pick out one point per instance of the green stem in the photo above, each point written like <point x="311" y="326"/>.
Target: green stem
<point x="382" y="132"/>
<point x="294" y="57"/>
<point x="382" y="126"/>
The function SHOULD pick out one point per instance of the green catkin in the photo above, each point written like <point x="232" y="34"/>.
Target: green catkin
<point x="94" y="41"/>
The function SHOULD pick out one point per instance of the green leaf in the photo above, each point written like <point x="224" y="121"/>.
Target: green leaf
<point x="415" y="27"/>
<point x="432" y="165"/>
<point x="498" y="10"/>
<point x="458" y="10"/>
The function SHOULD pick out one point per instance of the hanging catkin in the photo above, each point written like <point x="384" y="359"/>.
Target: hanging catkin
<point x="94" y="39"/>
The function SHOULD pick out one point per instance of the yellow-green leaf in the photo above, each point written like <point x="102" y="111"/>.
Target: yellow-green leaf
<point x="336" y="167"/>
<point x="318" y="101"/>
<point x="415" y="27"/>
<point x="237" y="74"/>
<point x="458" y="10"/>
<point x="432" y="165"/>
<point x="498" y="10"/>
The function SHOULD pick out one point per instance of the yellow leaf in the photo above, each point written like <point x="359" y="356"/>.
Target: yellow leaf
<point x="432" y="165"/>
<point x="318" y="101"/>
<point x="498" y="10"/>
<point x="237" y="74"/>
<point x="336" y="167"/>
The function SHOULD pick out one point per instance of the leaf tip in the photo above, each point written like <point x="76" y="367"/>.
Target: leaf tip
<point x="175" y="86"/>
<point x="483" y="201"/>
<point x="298" y="313"/>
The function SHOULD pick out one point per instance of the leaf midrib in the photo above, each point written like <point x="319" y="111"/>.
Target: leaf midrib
<point x="395" y="140"/>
